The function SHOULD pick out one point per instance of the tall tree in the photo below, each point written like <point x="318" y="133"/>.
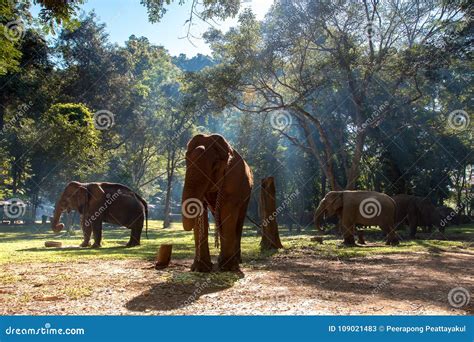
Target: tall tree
<point x="335" y="69"/>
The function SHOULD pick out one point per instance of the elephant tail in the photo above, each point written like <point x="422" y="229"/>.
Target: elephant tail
<point x="146" y="217"/>
<point x="145" y="205"/>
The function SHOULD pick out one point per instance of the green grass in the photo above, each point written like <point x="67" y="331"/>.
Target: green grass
<point x="26" y="244"/>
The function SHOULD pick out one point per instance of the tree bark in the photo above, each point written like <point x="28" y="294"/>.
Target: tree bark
<point x="270" y="235"/>
<point x="163" y="257"/>
<point x="323" y="186"/>
<point x="170" y="175"/>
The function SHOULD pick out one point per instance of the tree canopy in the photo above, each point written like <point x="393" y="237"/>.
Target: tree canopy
<point x="320" y="94"/>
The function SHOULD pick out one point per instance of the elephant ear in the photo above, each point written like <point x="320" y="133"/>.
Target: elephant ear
<point x="221" y="147"/>
<point x="337" y="199"/>
<point x="77" y="194"/>
<point x="96" y="196"/>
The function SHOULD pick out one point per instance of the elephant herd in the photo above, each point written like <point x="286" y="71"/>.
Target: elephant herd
<point x="371" y="208"/>
<point x="218" y="179"/>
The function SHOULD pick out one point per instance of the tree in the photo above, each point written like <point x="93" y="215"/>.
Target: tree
<point x="207" y="10"/>
<point x="270" y="236"/>
<point x="64" y="145"/>
<point x="335" y="70"/>
<point x="16" y="15"/>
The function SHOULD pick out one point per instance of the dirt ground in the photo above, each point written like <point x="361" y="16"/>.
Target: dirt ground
<point x="286" y="284"/>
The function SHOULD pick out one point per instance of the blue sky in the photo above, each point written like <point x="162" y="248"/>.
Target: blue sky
<point x="126" y="17"/>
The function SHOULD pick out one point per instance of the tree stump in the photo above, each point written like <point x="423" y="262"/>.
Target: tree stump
<point x="163" y="257"/>
<point x="270" y="235"/>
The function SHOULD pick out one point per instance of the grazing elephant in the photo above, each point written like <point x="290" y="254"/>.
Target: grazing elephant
<point x="102" y="202"/>
<point x="416" y="211"/>
<point x="219" y="178"/>
<point x="448" y="216"/>
<point x="367" y="208"/>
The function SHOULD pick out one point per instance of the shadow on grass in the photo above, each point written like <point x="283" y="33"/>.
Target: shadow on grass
<point x="181" y="290"/>
<point x="146" y="252"/>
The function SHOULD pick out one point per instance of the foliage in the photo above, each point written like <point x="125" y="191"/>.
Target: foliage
<point x="319" y="95"/>
<point x="211" y="8"/>
<point x="15" y="15"/>
<point x="337" y="71"/>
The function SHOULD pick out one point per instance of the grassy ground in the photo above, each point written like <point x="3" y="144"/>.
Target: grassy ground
<point x="20" y="244"/>
<point x="304" y="278"/>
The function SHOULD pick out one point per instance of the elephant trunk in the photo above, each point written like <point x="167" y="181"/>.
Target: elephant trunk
<point x="192" y="207"/>
<point x="189" y="223"/>
<point x="55" y="225"/>
<point x="318" y="214"/>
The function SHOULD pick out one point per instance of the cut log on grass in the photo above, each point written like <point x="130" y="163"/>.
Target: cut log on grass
<point x="163" y="257"/>
<point x="270" y="235"/>
<point x="56" y="244"/>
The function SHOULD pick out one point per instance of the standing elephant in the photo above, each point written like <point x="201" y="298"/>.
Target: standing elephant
<point x="219" y="178"/>
<point x="366" y="208"/>
<point x="102" y="202"/>
<point x="416" y="211"/>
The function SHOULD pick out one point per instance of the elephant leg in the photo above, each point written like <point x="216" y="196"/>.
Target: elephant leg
<point x="413" y="229"/>
<point x="230" y="247"/>
<point x="339" y="228"/>
<point x="202" y="259"/>
<point x="97" y="231"/>
<point x="360" y="237"/>
<point x="240" y="227"/>
<point x="239" y="239"/>
<point x="391" y="234"/>
<point x="442" y="229"/>
<point x="136" y="233"/>
<point x="87" y="232"/>
<point x="348" y="231"/>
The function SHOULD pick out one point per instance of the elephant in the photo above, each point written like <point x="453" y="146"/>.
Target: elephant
<point x="219" y="178"/>
<point x="463" y="219"/>
<point x="448" y="216"/>
<point x="102" y="202"/>
<point x="366" y="208"/>
<point x="416" y="211"/>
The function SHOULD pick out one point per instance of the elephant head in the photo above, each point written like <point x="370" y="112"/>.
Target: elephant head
<point x="329" y="206"/>
<point x="428" y="213"/>
<point x="76" y="196"/>
<point x="206" y="159"/>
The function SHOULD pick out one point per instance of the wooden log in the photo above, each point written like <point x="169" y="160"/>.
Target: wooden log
<point x="270" y="235"/>
<point x="56" y="244"/>
<point x="317" y="239"/>
<point x="163" y="257"/>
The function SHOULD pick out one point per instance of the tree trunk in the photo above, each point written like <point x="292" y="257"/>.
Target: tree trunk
<point x="163" y="257"/>
<point x="270" y="235"/>
<point x="323" y="185"/>
<point x="2" y="113"/>
<point x="170" y="175"/>
<point x="354" y="171"/>
<point x="167" y="216"/>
